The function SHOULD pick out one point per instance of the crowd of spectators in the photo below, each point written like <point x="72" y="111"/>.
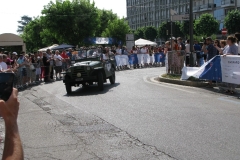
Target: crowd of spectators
<point x="47" y="66"/>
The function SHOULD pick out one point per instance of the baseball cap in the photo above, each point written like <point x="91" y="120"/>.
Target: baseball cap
<point x="14" y="53"/>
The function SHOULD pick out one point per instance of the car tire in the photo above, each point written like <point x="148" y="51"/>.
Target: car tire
<point x="100" y="81"/>
<point x="68" y="88"/>
<point x="112" y="79"/>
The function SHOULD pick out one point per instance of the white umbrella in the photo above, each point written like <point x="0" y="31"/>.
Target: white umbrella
<point x="143" y="42"/>
<point x="49" y="47"/>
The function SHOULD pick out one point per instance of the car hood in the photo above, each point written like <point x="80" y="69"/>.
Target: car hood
<point x="86" y="63"/>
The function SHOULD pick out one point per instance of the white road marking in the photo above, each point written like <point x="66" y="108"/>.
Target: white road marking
<point x="226" y="99"/>
<point x="172" y="86"/>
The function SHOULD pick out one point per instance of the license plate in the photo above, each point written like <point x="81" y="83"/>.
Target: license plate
<point x="79" y="79"/>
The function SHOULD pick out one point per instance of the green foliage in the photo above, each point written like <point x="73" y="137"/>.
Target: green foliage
<point x="206" y="25"/>
<point x="139" y="33"/>
<point x="31" y="35"/>
<point x="117" y="28"/>
<point x="232" y="21"/>
<point x="150" y="33"/>
<point x="164" y="31"/>
<point x="72" y="21"/>
<point x="105" y="16"/>
<point x="23" y="22"/>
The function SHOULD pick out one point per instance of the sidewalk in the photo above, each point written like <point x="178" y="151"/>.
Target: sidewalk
<point x="61" y="131"/>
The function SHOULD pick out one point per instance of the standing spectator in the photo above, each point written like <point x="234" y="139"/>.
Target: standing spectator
<point x="51" y="67"/>
<point x="58" y="65"/>
<point x="33" y="66"/>
<point x="22" y="68"/>
<point x="223" y="44"/>
<point x="46" y="64"/>
<point x="37" y="60"/>
<point x="65" y="59"/>
<point x="118" y="57"/>
<point x="217" y="43"/>
<point x="167" y="48"/>
<point x="237" y="35"/>
<point x="211" y="51"/>
<point x="146" y="58"/>
<point x="199" y="54"/>
<point x="182" y="49"/>
<point x="28" y="70"/>
<point x="3" y="65"/>
<point x="230" y="49"/>
<point x="187" y="50"/>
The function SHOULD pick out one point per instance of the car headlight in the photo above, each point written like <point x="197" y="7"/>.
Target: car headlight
<point x="69" y="70"/>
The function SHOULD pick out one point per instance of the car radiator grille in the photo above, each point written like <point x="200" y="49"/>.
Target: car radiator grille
<point x="79" y="70"/>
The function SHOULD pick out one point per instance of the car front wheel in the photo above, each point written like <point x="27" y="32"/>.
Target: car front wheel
<point x="112" y="79"/>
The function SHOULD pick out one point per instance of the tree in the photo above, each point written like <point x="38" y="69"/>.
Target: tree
<point x="139" y="33"/>
<point x="164" y="31"/>
<point x="206" y="25"/>
<point x="36" y="36"/>
<point x="31" y="35"/>
<point x="118" y="29"/>
<point x="185" y="28"/>
<point x="105" y="16"/>
<point x="231" y="21"/>
<point x="23" y="22"/>
<point x="150" y="33"/>
<point x="71" y="22"/>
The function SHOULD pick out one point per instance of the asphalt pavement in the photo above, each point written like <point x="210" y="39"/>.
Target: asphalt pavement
<point x="137" y="118"/>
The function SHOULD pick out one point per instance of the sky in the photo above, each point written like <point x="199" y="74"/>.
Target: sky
<point x="12" y="10"/>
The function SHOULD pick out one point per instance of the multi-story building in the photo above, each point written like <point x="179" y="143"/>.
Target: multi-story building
<point x="141" y="13"/>
<point x="218" y="8"/>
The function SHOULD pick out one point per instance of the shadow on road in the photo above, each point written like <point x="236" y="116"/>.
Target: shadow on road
<point x="91" y="90"/>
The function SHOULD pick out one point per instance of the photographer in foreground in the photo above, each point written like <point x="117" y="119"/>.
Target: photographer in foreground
<point x="9" y="111"/>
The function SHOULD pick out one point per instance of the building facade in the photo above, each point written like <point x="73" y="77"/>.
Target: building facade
<point x="218" y="8"/>
<point x="142" y="13"/>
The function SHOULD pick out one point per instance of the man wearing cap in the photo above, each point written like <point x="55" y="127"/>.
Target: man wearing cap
<point x="22" y="66"/>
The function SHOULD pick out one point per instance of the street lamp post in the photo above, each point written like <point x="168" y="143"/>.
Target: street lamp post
<point x="191" y="31"/>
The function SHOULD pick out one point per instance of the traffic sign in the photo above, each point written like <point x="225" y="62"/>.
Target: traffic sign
<point x="129" y="37"/>
<point x="224" y="31"/>
<point x="184" y="17"/>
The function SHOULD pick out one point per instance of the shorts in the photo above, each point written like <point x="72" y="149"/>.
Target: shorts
<point x="24" y="72"/>
<point x="58" y="69"/>
<point x="38" y="71"/>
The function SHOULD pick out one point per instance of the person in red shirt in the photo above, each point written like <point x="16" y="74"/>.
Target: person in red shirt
<point x="65" y="60"/>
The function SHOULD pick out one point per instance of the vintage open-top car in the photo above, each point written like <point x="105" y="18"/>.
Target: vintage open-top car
<point x="89" y="70"/>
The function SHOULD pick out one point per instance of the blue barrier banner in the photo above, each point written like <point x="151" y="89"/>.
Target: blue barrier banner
<point x="157" y="57"/>
<point x="162" y="57"/>
<point x="133" y="59"/>
<point x="212" y="70"/>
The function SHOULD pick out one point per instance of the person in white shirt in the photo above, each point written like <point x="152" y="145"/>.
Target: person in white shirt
<point x="58" y="64"/>
<point x="146" y="57"/>
<point x="187" y="49"/>
<point x="118" y="57"/>
<point x="3" y="65"/>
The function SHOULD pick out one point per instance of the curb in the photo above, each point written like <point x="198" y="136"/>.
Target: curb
<point x="181" y="82"/>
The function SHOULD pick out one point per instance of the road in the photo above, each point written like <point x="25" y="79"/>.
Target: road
<point x="181" y="122"/>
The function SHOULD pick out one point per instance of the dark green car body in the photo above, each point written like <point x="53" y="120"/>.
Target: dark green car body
<point x="87" y="71"/>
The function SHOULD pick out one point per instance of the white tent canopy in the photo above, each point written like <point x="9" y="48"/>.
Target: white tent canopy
<point x="143" y="42"/>
<point x="49" y="47"/>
